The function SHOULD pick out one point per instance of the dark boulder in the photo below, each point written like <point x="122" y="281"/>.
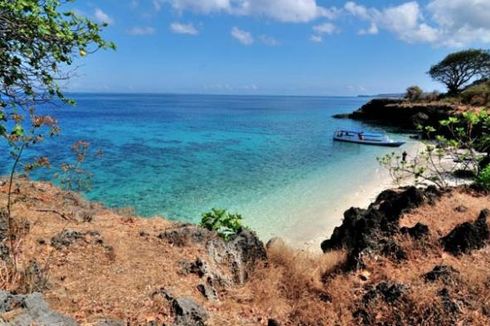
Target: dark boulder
<point x="186" y="311"/>
<point x="32" y="310"/>
<point x="273" y="322"/>
<point x="186" y="234"/>
<point x="468" y="236"/>
<point x="393" y="250"/>
<point x="451" y="306"/>
<point x="417" y="232"/>
<point x="419" y="119"/>
<point x="396" y="112"/>
<point x="372" y="229"/>
<point x="445" y="273"/>
<point x="66" y="238"/>
<point x="387" y="291"/>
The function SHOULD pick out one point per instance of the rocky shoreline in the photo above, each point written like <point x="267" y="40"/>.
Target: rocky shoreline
<point x="383" y="264"/>
<point x="402" y="114"/>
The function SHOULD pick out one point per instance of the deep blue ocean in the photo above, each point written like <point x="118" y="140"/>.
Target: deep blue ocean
<point x="270" y="158"/>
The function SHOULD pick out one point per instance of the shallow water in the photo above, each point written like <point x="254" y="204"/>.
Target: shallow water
<point x="270" y="158"/>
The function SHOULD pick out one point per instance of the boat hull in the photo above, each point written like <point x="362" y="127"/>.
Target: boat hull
<point x="368" y="142"/>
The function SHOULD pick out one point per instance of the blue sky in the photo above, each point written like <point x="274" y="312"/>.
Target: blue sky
<point x="293" y="47"/>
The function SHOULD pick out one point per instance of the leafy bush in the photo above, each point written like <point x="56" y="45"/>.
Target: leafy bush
<point x="224" y="223"/>
<point x="414" y="93"/>
<point x="484" y="178"/>
<point x="478" y="94"/>
<point x="455" y="152"/>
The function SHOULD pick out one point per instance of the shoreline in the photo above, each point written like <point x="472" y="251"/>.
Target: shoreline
<point x="308" y="237"/>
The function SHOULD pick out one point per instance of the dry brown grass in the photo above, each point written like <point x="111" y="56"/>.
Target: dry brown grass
<point x="113" y="274"/>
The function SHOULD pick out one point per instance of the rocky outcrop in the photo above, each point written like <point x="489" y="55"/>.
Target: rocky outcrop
<point x="419" y="231"/>
<point x="468" y="236"/>
<point x="372" y="229"/>
<point x="26" y="310"/>
<point x="444" y="273"/>
<point x="241" y="254"/>
<point x="228" y="262"/>
<point x="399" y="113"/>
<point x="187" y="312"/>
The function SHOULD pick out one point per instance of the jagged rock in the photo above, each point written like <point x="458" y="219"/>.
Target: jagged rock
<point x="33" y="310"/>
<point x="208" y="291"/>
<point x="241" y="254"/>
<point x="393" y="250"/>
<point x="419" y="119"/>
<point x="372" y="229"/>
<point x="231" y="261"/>
<point x="450" y="306"/>
<point x="445" y="273"/>
<point x="66" y="238"/>
<point x="4" y="252"/>
<point x="395" y="112"/>
<point x="198" y="267"/>
<point x="187" y="312"/>
<point x="467" y="236"/>
<point x="3" y="223"/>
<point x="273" y="322"/>
<point x="388" y="291"/>
<point x="186" y="234"/>
<point x="363" y="316"/>
<point x="417" y="232"/>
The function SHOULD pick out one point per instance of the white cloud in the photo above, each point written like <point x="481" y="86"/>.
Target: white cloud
<point x="295" y="11"/>
<point x="242" y="36"/>
<point x="102" y="17"/>
<point x="187" y="29"/>
<point x="321" y="30"/>
<point x="461" y="22"/>
<point x="268" y="40"/>
<point x="316" y="38"/>
<point x="325" y="28"/>
<point x="442" y="22"/>
<point x="139" y="31"/>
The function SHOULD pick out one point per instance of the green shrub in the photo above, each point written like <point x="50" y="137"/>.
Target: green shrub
<point x="484" y="178"/>
<point x="224" y="223"/>
<point x="414" y="93"/>
<point x="477" y="95"/>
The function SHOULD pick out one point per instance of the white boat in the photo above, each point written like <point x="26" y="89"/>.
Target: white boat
<point x="366" y="138"/>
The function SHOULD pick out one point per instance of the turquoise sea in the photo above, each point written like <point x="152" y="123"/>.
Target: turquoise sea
<point x="270" y="158"/>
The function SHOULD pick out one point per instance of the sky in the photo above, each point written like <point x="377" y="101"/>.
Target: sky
<point x="276" y="47"/>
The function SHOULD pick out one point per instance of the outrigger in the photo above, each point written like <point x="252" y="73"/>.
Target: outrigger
<point x="366" y="138"/>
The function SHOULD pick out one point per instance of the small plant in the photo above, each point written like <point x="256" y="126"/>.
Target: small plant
<point x="484" y="178"/>
<point x="224" y="223"/>
<point x="73" y="176"/>
<point x="453" y="153"/>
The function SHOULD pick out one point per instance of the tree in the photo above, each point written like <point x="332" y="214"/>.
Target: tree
<point x="414" y="93"/>
<point x="38" y="43"/>
<point x="459" y="68"/>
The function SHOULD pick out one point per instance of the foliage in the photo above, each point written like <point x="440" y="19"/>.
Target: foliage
<point x="38" y="43"/>
<point x="414" y="93"/>
<point x="459" y="68"/>
<point x="454" y="152"/>
<point x="477" y="95"/>
<point x="484" y="178"/>
<point x="223" y="222"/>
<point x="73" y="176"/>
